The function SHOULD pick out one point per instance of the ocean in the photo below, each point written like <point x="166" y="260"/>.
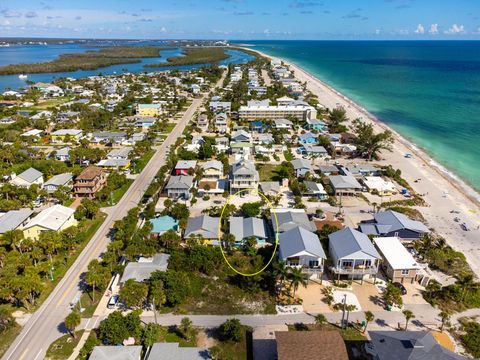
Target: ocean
<point x="428" y="91"/>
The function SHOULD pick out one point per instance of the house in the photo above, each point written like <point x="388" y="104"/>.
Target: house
<point x="33" y="133"/>
<point x="89" y="182"/>
<point x="243" y="176"/>
<point x="284" y="101"/>
<point x="288" y="219"/>
<point x="302" y="248"/>
<point x="302" y="167"/>
<point x="55" y="182"/>
<point x="344" y="184"/>
<point x="220" y="106"/>
<point x="184" y="166"/>
<point x="116" y="353"/>
<point x="63" y="154"/>
<point x="202" y="121"/>
<point x="145" y="122"/>
<point x="162" y="224"/>
<point x="172" y="351"/>
<point x="408" y="345"/>
<point x="241" y="136"/>
<point x="144" y="267"/>
<point x="212" y="186"/>
<point x="114" y="164"/>
<point x="14" y="219"/>
<point x="328" y="170"/>
<point x="204" y="227"/>
<point x="179" y="187"/>
<point x="221" y="123"/>
<point x="308" y="345"/>
<point x="148" y="109"/>
<point x="66" y="135"/>
<point x="315" y="124"/>
<point x="313" y="151"/>
<point x="222" y="144"/>
<point x="264" y="139"/>
<point x="257" y="126"/>
<point x="244" y="228"/>
<point x="392" y="223"/>
<point x="241" y="148"/>
<point x="376" y="184"/>
<point x="119" y="154"/>
<point x="270" y="187"/>
<point x="55" y="218"/>
<point x="360" y="170"/>
<point x="307" y="138"/>
<point x="212" y="169"/>
<point x="399" y="264"/>
<point x="196" y="143"/>
<point x="280" y="124"/>
<point x="27" y="178"/>
<point x="109" y="137"/>
<point x="315" y="189"/>
<point x="353" y="254"/>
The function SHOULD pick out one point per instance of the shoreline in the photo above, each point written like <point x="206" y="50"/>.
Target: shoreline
<point x="466" y="189"/>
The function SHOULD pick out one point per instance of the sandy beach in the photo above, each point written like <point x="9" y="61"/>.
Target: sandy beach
<point x="442" y="190"/>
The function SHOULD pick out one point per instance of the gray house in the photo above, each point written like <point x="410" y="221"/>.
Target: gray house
<point x="203" y="226"/>
<point x="344" y="184"/>
<point x="172" y="351"/>
<point x="302" y="248"/>
<point x="301" y="166"/>
<point x="391" y="223"/>
<point x="244" y="176"/>
<point x="409" y="345"/>
<point x="353" y="254"/>
<point x="116" y="353"/>
<point x="179" y="187"/>
<point x="144" y="267"/>
<point x="289" y="219"/>
<point x="243" y="228"/>
<point x="14" y="219"/>
<point x="54" y="183"/>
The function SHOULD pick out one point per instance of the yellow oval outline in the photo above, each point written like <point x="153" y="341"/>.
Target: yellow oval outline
<point x="276" y="231"/>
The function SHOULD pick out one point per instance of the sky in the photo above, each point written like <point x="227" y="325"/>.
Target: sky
<point x="242" y="19"/>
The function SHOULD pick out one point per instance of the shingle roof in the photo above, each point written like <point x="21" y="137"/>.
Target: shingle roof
<point x="141" y="271"/>
<point x="409" y="345"/>
<point x="203" y="225"/>
<point x="14" y="218"/>
<point x="116" y="353"/>
<point x="213" y="164"/>
<point x="172" y="351"/>
<point x="243" y="228"/>
<point x="298" y="239"/>
<point x="301" y="164"/>
<point x="89" y="173"/>
<point x="348" y="241"/>
<point x="307" y="345"/>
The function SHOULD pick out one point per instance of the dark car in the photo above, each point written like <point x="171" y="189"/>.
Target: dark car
<point x="401" y="287"/>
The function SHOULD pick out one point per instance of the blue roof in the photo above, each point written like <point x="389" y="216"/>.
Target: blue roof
<point x="257" y="123"/>
<point x="163" y="223"/>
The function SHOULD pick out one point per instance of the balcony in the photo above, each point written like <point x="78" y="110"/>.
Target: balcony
<point x="358" y="270"/>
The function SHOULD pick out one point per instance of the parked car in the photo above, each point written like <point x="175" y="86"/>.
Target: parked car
<point x="465" y="227"/>
<point x="400" y="287"/>
<point x="112" y="302"/>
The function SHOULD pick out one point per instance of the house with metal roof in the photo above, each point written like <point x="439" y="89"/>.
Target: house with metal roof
<point x="313" y="150"/>
<point x="179" y="186"/>
<point x="55" y="182"/>
<point x="55" y="218"/>
<point x="270" y="187"/>
<point x="243" y="176"/>
<point x="315" y="124"/>
<point x="392" y="223"/>
<point x="408" y="345"/>
<point x="282" y="124"/>
<point x="144" y="267"/>
<point x="121" y="153"/>
<point x="353" y="255"/>
<point x="302" y="248"/>
<point x="344" y="184"/>
<point x="244" y="228"/>
<point x="63" y="154"/>
<point x="302" y="166"/>
<point x="28" y="178"/>
<point x="172" y="351"/>
<point x="183" y="166"/>
<point x="204" y="227"/>
<point x="14" y="219"/>
<point x="212" y="169"/>
<point x="66" y="135"/>
<point x="116" y="353"/>
<point x="290" y="218"/>
<point x="315" y="189"/>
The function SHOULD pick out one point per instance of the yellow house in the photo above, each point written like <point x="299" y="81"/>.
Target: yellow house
<point x="149" y="109"/>
<point x="55" y="218"/>
<point x="66" y="135"/>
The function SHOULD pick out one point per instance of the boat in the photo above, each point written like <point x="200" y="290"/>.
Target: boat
<point x="22" y="76"/>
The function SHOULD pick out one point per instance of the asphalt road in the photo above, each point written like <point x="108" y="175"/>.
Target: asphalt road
<point x="45" y="325"/>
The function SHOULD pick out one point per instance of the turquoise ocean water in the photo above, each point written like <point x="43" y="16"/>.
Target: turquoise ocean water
<point x="428" y="91"/>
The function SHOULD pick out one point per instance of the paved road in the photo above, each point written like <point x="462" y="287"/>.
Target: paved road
<point x="45" y="325"/>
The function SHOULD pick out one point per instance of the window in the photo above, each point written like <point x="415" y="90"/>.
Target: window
<point x="313" y="263"/>
<point x="405" y="271"/>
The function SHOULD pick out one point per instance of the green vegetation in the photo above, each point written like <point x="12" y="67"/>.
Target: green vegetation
<point x="63" y="347"/>
<point x="288" y="155"/>
<point x="9" y="329"/>
<point x="232" y="336"/>
<point x="114" y="189"/>
<point x="369" y="143"/>
<point x="202" y="55"/>
<point x="89" y="60"/>
<point x="470" y="336"/>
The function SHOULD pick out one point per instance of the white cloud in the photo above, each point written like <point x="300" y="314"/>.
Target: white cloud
<point x="455" y="29"/>
<point x="433" y="29"/>
<point x="420" y="29"/>
<point x="378" y="31"/>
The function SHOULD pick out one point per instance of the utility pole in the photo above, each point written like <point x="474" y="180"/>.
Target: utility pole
<point x="154" y="310"/>
<point x="344" y="302"/>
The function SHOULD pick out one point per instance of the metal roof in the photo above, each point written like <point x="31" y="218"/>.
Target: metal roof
<point x="203" y="225"/>
<point x="298" y="239"/>
<point x="180" y="182"/>
<point x="13" y="219"/>
<point x="30" y="175"/>
<point x="116" y="353"/>
<point x="243" y="228"/>
<point x="172" y="351"/>
<point x="141" y="270"/>
<point x="51" y="218"/>
<point x="349" y="242"/>
<point x="59" y="180"/>
<point x="398" y="221"/>
<point x="290" y="218"/>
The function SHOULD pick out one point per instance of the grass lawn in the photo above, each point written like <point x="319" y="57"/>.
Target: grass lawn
<point x="171" y="336"/>
<point x="232" y="350"/>
<point x="62" y="348"/>
<point x="116" y="195"/>
<point x="140" y="164"/>
<point x="167" y="128"/>
<point x="266" y="171"/>
<point x="88" y="304"/>
<point x="7" y="337"/>
<point x="48" y="103"/>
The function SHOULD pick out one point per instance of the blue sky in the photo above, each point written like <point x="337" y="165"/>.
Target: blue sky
<point x="243" y="19"/>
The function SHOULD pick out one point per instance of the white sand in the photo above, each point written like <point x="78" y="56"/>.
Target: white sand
<point x="443" y="191"/>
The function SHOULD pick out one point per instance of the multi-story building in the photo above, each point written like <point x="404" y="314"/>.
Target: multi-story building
<point x="89" y="182"/>
<point x="244" y="176"/>
<point x="300" y="111"/>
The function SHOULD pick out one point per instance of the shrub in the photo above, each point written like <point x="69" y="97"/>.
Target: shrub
<point x="231" y="330"/>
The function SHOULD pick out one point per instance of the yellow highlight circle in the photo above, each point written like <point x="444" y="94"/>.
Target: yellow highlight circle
<point x="276" y="230"/>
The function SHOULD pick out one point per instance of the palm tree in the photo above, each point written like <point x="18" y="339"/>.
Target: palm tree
<point x="445" y="316"/>
<point x="349" y="308"/>
<point x="369" y="317"/>
<point x="72" y="321"/>
<point x="297" y="278"/>
<point x="280" y="270"/>
<point x="408" y="316"/>
<point x="467" y="283"/>
<point x="320" y="319"/>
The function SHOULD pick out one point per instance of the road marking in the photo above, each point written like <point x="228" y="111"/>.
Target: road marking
<point x="36" y="357"/>
<point x="23" y="354"/>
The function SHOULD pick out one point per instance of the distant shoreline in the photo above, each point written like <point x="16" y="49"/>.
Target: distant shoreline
<point x="461" y="185"/>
